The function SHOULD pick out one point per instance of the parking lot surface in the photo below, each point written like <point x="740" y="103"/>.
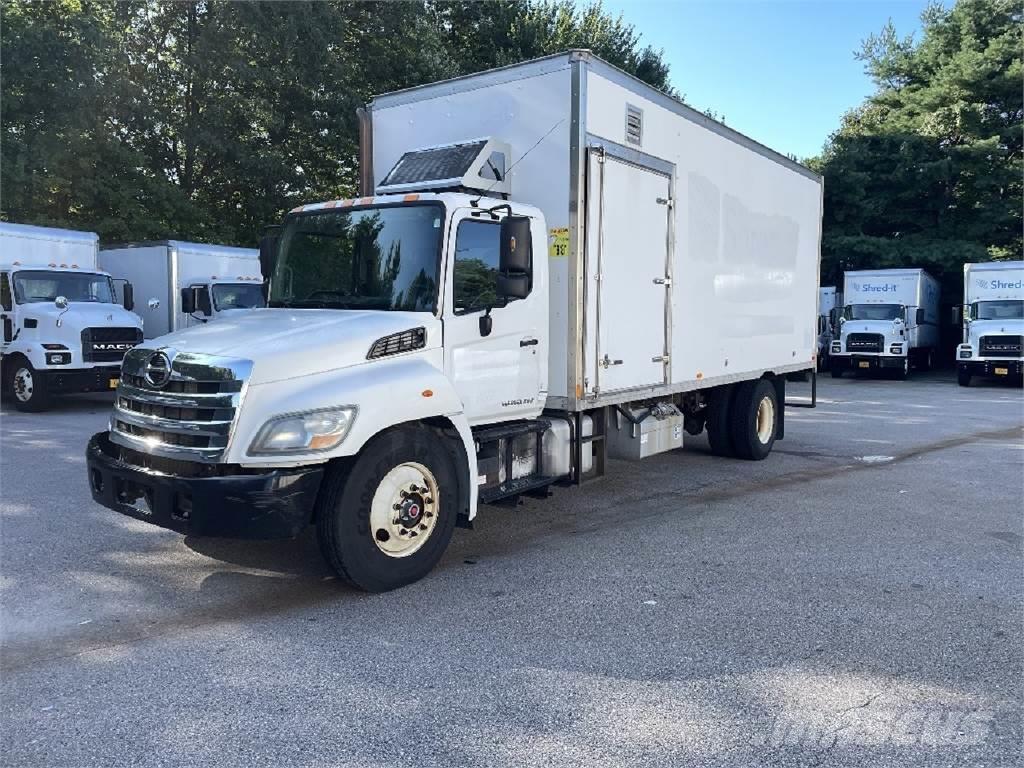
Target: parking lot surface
<point x="855" y="599"/>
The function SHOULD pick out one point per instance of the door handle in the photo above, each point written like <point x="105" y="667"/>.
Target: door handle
<point x="528" y="343"/>
<point x="607" y="362"/>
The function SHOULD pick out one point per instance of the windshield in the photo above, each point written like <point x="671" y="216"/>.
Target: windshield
<point x="31" y="287"/>
<point x="1008" y="309"/>
<point x="384" y="258"/>
<point x="873" y="312"/>
<point x="237" y="296"/>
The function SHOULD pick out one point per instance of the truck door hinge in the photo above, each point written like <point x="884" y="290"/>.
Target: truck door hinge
<point x="660" y="359"/>
<point x="664" y="201"/>
<point x="663" y="281"/>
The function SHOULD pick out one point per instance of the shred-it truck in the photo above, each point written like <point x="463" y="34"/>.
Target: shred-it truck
<point x="993" y="318"/>
<point x="552" y="264"/>
<point x="63" y="330"/>
<point x="890" y="322"/>
<point x="184" y="284"/>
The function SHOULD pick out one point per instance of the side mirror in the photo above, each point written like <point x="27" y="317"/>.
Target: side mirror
<point x="61" y="302"/>
<point x="956" y="315"/>
<point x="919" y="316"/>
<point x="188" y="300"/>
<point x="268" y="251"/>
<point x="515" y="259"/>
<point x="203" y="301"/>
<point x="128" y="296"/>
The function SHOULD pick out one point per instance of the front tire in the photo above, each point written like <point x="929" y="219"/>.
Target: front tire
<point x="901" y="373"/>
<point x="963" y="378"/>
<point x="755" y="419"/>
<point x="25" y="386"/>
<point x="387" y="521"/>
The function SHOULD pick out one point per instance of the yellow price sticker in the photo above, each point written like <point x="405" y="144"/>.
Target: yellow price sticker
<point x="558" y="238"/>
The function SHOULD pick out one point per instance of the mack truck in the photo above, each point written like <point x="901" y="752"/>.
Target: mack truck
<point x="64" y="331"/>
<point x="890" y="322"/>
<point x="993" y="322"/>
<point x="186" y="284"/>
<point x="550" y="266"/>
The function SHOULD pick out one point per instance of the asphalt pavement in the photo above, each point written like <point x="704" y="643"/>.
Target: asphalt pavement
<point x="855" y="599"/>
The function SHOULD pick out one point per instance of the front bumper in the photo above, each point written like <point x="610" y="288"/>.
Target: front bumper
<point x="239" y="504"/>
<point x="999" y="369"/>
<point x="99" y="379"/>
<point x="866" y="362"/>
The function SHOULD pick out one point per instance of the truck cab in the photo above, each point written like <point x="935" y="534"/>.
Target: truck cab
<point x="993" y="322"/>
<point x="63" y="328"/>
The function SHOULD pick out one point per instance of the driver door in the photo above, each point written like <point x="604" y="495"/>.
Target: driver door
<point x="500" y="376"/>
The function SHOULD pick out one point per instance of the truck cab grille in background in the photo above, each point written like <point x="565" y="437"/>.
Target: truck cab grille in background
<point x="864" y="342"/>
<point x="189" y="418"/>
<point x="108" y="345"/>
<point x="1001" y="346"/>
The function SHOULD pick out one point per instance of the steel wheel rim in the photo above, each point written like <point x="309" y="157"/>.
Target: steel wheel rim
<point x="24" y="386"/>
<point x="765" y="419"/>
<point x="404" y="510"/>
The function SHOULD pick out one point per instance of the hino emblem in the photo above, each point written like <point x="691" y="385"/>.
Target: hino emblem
<point x="158" y="370"/>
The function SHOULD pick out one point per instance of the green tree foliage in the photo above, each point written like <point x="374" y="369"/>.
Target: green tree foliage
<point x="207" y="119"/>
<point x="927" y="172"/>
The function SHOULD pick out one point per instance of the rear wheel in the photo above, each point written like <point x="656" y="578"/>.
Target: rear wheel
<point x="755" y="419"/>
<point x="387" y="521"/>
<point x="718" y="421"/>
<point x="963" y="378"/>
<point x="25" y="386"/>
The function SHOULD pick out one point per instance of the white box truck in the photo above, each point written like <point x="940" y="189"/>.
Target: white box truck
<point x="993" y="320"/>
<point x="183" y="284"/>
<point x="551" y="264"/>
<point x="63" y="330"/>
<point x="890" y="322"/>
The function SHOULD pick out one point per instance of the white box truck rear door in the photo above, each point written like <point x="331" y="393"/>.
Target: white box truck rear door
<point x="627" y="243"/>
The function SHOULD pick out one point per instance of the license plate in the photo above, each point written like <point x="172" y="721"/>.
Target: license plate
<point x="864" y="364"/>
<point x="1002" y="371"/>
<point x="114" y="383"/>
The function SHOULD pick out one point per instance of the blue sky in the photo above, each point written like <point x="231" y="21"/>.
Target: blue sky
<point x="780" y="71"/>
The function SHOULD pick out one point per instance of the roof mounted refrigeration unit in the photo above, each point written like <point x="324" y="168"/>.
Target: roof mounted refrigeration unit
<point x="474" y="166"/>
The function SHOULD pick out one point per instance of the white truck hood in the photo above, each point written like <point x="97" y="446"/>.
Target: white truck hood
<point x="979" y="328"/>
<point x="887" y="328"/>
<point x="287" y="343"/>
<point x="79" y="315"/>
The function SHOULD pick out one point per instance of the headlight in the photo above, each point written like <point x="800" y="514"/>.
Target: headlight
<point x="837" y="346"/>
<point x="965" y="353"/>
<point x="895" y="349"/>
<point x="308" y="432"/>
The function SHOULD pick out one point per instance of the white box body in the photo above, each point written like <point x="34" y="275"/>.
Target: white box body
<point x="682" y="254"/>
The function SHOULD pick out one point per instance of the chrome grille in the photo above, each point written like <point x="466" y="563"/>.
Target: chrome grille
<point x="190" y="416"/>
<point x="1001" y="346"/>
<point x="864" y="342"/>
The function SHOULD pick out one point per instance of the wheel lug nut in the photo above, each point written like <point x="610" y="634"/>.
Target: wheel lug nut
<point x="423" y="527"/>
<point x="428" y="514"/>
<point x="403" y="494"/>
<point x="396" y="507"/>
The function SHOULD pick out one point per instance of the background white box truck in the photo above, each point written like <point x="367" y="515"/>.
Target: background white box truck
<point x="62" y="328"/>
<point x="552" y="264"/>
<point x="182" y="284"/>
<point x="993" y="320"/>
<point x="890" y="322"/>
<point x="828" y="318"/>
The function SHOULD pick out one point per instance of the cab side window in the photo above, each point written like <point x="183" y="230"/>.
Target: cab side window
<point x="5" y="293"/>
<point x="476" y="266"/>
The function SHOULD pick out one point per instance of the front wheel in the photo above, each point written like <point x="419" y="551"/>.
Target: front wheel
<point x="755" y="419"/>
<point x="963" y="378"/>
<point x="901" y="373"/>
<point x="386" y="522"/>
<point x="26" y="386"/>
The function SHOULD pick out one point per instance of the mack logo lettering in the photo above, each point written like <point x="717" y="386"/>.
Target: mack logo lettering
<point x="112" y="346"/>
